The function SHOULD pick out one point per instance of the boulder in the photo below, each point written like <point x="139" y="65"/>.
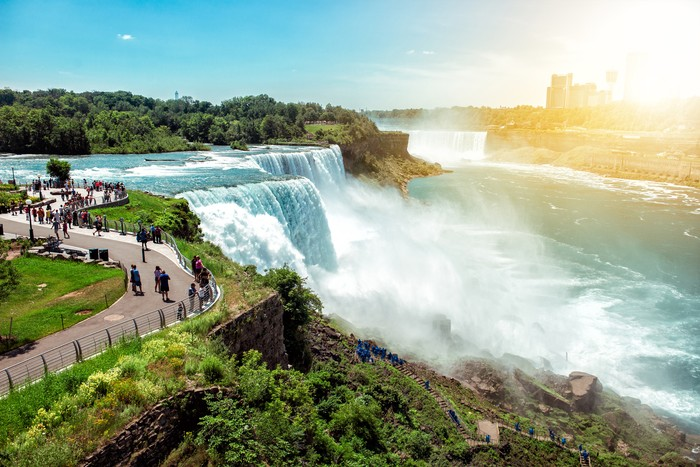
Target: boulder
<point x="585" y="390"/>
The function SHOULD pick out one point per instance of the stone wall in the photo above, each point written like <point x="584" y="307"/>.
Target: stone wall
<point x="260" y="328"/>
<point x="150" y="439"/>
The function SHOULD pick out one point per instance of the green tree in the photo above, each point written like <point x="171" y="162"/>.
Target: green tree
<point x="58" y="169"/>
<point x="299" y="303"/>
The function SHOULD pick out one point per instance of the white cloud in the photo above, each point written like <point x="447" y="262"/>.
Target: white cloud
<point x="428" y="52"/>
<point x="126" y="37"/>
<point x="410" y="52"/>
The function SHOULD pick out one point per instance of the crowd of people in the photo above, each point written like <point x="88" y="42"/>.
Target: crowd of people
<point x="72" y="212"/>
<point x="162" y="283"/>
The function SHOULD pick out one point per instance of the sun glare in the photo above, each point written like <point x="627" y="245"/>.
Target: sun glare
<point x="661" y="44"/>
<point x="653" y="45"/>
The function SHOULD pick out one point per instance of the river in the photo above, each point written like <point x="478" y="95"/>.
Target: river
<point x="568" y="269"/>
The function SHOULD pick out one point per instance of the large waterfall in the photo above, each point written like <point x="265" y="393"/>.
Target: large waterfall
<point x="322" y="166"/>
<point x="449" y="148"/>
<point x="268" y="224"/>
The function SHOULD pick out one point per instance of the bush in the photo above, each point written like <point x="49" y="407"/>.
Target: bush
<point x="212" y="368"/>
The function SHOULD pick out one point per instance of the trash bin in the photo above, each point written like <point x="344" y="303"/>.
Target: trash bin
<point x="93" y="253"/>
<point x="104" y="255"/>
<point x="2" y="231"/>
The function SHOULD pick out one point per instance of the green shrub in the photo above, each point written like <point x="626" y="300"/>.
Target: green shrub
<point x="212" y="368"/>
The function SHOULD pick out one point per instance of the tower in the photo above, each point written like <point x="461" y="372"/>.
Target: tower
<point x="177" y="95"/>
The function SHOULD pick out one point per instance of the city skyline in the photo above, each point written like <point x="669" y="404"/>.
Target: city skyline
<point x="359" y="54"/>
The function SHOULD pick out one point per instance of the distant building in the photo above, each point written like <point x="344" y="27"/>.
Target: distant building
<point x="564" y="94"/>
<point x="558" y="92"/>
<point x="177" y="95"/>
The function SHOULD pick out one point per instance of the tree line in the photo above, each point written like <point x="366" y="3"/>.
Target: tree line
<point x="680" y="114"/>
<point x="56" y="121"/>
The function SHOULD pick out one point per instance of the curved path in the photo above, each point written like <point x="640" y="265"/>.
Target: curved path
<point x="121" y="248"/>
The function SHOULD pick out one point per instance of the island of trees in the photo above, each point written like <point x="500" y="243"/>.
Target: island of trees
<point x="56" y="121"/>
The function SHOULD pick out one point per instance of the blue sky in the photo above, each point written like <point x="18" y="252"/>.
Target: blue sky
<point x="372" y="54"/>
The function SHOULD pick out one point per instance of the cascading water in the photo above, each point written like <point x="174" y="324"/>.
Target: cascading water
<point x="541" y="262"/>
<point x="449" y="148"/>
<point x="324" y="167"/>
<point x="267" y="224"/>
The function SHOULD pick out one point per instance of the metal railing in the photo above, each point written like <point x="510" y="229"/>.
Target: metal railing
<point x="35" y="368"/>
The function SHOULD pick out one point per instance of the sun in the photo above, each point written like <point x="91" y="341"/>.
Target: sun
<point x="661" y="43"/>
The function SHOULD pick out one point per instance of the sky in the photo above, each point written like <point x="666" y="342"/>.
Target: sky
<point x="361" y="54"/>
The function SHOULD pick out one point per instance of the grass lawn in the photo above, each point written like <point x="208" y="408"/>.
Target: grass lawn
<point x="51" y="289"/>
<point x="141" y="206"/>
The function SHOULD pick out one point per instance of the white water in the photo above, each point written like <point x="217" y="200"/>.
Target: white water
<point x="267" y="224"/>
<point x="449" y="148"/>
<point x="490" y="249"/>
<point x="324" y="167"/>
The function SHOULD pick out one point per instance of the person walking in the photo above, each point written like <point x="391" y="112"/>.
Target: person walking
<point x="142" y="237"/>
<point x="98" y="226"/>
<point x="164" y="285"/>
<point x="65" y="228"/>
<point x="136" y="280"/>
<point x="156" y="273"/>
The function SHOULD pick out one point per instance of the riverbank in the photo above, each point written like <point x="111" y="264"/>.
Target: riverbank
<point x="673" y="158"/>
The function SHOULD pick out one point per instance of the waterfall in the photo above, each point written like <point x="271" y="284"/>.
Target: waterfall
<point x="449" y="148"/>
<point x="323" y="167"/>
<point x="267" y="224"/>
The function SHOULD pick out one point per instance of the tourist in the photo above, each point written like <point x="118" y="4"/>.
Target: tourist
<point x="142" y="237"/>
<point x="56" y="226"/>
<point x="157" y="235"/>
<point x="164" y="285"/>
<point x="98" y="226"/>
<point x="40" y="213"/>
<point x="204" y="278"/>
<point x="192" y="292"/>
<point x="136" y="280"/>
<point x="198" y="267"/>
<point x="156" y="274"/>
<point x="65" y="228"/>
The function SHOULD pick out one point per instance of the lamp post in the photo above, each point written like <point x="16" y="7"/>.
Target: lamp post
<point x="29" y="214"/>
<point x="14" y="182"/>
<point x="121" y="219"/>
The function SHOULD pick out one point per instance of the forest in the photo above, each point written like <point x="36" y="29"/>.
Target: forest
<point x="56" y="121"/>
<point x="674" y="115"/>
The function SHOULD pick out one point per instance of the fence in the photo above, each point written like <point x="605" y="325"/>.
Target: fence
<point x="61" y="357"/>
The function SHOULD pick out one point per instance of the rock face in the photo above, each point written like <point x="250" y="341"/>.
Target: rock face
<point x="260" y="328"/>
<point x="384" y="158"/>
<point x="585" y="390"/>
<point x="149" y="439"/>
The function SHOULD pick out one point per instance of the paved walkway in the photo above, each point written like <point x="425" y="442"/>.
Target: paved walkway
<point x="121" y="248"/>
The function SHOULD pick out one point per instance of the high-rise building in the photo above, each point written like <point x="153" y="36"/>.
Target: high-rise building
<point x="177" y="95"/>
<point x="558" y="92"/>
<point x="564" y="94"/>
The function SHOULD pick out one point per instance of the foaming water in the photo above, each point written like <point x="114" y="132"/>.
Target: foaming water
<point x="570" y="270"/>
<point x="284" y="216"/>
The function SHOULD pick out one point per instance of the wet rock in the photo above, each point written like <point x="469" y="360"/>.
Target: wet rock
<point x="585" y="391"/>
